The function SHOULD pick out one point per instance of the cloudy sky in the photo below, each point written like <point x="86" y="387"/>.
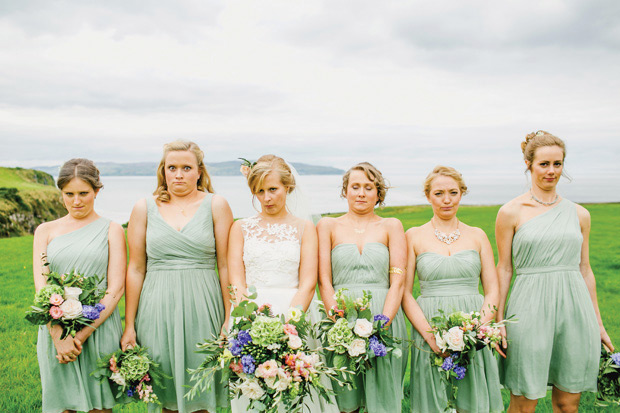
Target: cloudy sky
<point x="406" y="85"/>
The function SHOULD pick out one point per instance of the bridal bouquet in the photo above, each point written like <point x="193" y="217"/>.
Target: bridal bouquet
<point x="265" y="358"/>
<point x="608" y="383"/>
<point x="353" y="335"/>
<point x="70" y="300"/>
<point x="459" y="336"/>
<point x="132" y="372"/>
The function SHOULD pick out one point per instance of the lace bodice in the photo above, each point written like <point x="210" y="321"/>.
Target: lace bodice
<point x="271" y="253"/>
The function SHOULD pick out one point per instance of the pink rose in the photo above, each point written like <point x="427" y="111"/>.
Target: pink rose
<point x="113" y="366"/>
<point x="267" y="369"/>
<point x="55" y="312"/>
<point x="237" y="368"/>
<point x="290" y="329"/>
<point x="56" y="299"/>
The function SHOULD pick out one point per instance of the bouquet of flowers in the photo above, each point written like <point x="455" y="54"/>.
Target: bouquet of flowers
<point x="132" y="372"/>
<point x="459" y="336"/>
<point x="70" y="300"/>
<point x="353" y="335"/>
<point x="608" y="382"/>
<point x="265" y="358"/>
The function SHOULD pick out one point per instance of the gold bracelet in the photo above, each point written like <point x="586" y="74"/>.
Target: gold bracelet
<point x="396" y="270"/>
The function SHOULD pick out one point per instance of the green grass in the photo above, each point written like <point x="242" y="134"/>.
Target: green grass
<point x="21" y="388"/>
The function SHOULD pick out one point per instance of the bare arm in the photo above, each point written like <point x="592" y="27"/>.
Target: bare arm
<point x="397" y="245"/>
<point x="326" y="288"/>
<point x="222" y="221"/>
<point x="505" y="225"/>
<point x="588" y="274"/>
<point x="136" y="270"/>
<point x="117" y="265"/>
<point x="308" y="267"/>
<point x="236" y="268"/>
<point x="410" y="306"/>
<point x="488" y="276"/>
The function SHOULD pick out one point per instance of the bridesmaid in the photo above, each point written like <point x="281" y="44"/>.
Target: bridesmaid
<point x="362" y="251"/>
<point x="557" y="339"/>
<point x="92" y="245"/>
<point x="174" y="296"/>
<point x="451" y="258"/>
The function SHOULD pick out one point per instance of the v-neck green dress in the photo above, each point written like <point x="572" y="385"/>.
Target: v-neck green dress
<point x="556" y="340"/>
<point x="70" y="386"/>
<point x="181" y="304"/>
<point x="381" y="388"/>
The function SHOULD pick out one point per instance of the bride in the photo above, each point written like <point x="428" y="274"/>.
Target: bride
<point x="275" y="251"/>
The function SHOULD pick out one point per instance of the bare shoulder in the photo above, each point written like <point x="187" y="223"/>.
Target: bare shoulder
<point x="412" y="233"/>
<point x="510" y="210"/>
<point x="140" y="206"/>
<point x="392" y="223"/>
<point x="583" y="214"/>
<point x="44" y="229"/>
<point x="116" y="229"/>
<point x="326" y="224"/>
<point x="218" y="201"/>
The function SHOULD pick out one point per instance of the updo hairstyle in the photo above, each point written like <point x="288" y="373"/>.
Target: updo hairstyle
<point x="204" y="182"/>
<point x="264" y="166"/>
<point x="372" y="174"/>
<point x="81" y="168"/>
<point x="537" y="140"/>
<point x="448" y="171"/>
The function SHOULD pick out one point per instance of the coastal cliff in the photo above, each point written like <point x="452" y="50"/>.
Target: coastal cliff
<point x="27" y="198"/>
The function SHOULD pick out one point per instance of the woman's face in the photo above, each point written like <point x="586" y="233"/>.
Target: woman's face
<point x="79" y="198"/>
<point x="272" y="194"/>
<point x="546" y="168"/>
<point x="444" y="196"/>
<point x="181" y="172"/>
<point x="361" y="192"/>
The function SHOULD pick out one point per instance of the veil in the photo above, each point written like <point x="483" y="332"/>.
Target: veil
<point x="298" y="201"/>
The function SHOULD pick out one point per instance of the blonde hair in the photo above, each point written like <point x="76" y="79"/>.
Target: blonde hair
<point x="537" y="140"/>
<point x="204" y="182"/>
<point x="81" y="168"/>
<point x="373" y="174"/>
<point x="448" y="171"/>
<point x="265" y="165"/>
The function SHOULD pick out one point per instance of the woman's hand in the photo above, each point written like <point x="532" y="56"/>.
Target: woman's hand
<point x="128" y="339"/>
<point x="68" y="349"/>
<point x="606" y="340"/>
<point x="432" y="342"/>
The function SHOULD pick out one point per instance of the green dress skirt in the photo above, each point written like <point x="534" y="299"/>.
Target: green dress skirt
<point x="556" y="340"/>
<point x="381" y="388"/>
<point x="450" y="283"/>
<point x="181" y="305"/>
<point x="70" y="386"/>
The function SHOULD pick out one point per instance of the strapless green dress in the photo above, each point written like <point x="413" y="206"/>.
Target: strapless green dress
<point x="381" y="388"/>
<point x="181" y="304"/>
<point x="70" y="386"/>
<point x="450" y="283"/>
<point x="556" y="340"/>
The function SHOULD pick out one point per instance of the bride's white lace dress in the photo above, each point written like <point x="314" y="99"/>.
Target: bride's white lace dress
<point x="271" y="256"/>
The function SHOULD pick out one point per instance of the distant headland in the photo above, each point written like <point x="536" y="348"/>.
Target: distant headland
<point x="227" y="168"/>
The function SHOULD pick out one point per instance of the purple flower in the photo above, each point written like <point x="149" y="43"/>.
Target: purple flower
<point x="247" y="362"/>
<point x="244" y="337"/>
<point x="235" y="347"/>
<point x="616" y="358"/>
<point x="459" y="371"/>
<point x="130" y="392"/>
<point x="100" y="307"/>
<point x="383" y="318"/>
<point x="377" y="347"/>
<point x="448" y="364"/>
<point x="90" y="312"/>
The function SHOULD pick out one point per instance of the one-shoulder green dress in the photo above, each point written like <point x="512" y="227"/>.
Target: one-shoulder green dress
<point x="70" y="386"/>
<point x="181" y="304"/>
<point x="450" y="283"/>
<point x="556" y="340"/>
<point x="381" y="388"/>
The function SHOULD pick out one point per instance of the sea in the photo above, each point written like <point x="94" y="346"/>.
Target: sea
<point x="120" y="193"/>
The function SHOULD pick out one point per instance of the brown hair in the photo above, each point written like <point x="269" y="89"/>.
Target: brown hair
<point x="537" y="140"/>
<point x="448" y="171"/>
<point x="265" y="165"/>
<point x="81" y="168"/>
<point x="373" y="174"/>
<point x="204" y="182"/>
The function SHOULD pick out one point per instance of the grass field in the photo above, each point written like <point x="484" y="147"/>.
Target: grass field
<point x="21" y="390"/>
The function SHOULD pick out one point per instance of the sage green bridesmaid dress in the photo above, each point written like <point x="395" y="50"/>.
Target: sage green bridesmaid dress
<point x="556" y="340"/>
<point x="450" y="283"/>
<point x="381" y="388"/>
<point x="70" y="386"/>
<point x="181" y="305"/>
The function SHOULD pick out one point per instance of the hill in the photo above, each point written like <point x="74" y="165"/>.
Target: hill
<point x="217" y="169"/>
<point x="27" y="198"/>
